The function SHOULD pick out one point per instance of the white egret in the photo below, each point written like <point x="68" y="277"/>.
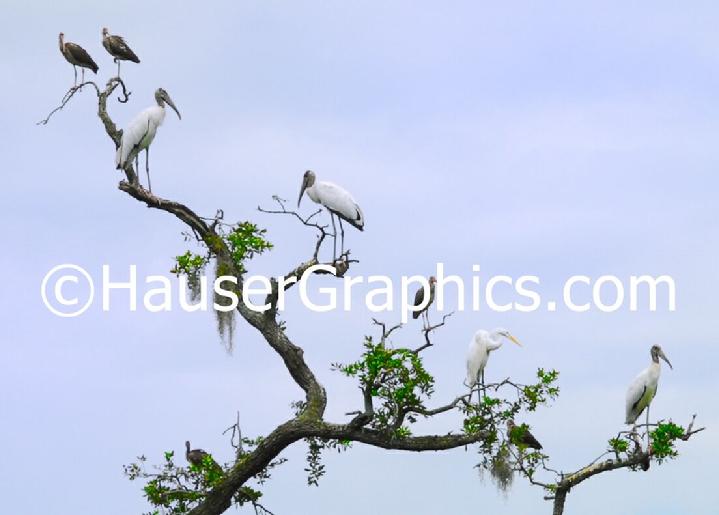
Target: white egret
<point x="76" y="56"/>
<point x="419" y="300"/>
<point x="520" y="435"/>
<point x="118" y="48"/>
<point x="644" y="387"/>
<point x="336" y="200"/>
<point x="141" y="131"/>
<point x="483" y="342"/>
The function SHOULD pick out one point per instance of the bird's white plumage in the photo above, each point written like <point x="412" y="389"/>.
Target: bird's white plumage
<point x="336" y="199"/>
<point x="482" y="343"/>
<point x="139" y="132"/>
<point x="642" y="391"/>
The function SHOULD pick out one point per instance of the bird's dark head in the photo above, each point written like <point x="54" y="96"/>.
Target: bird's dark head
<point x="657" y="352"/>
<point x="510" y="424"/>
<point x="308" y="179"/>
<point x="163" y="97"/>
<point x="187" y="445"/>
<point x="432" y="280"/>
<point x="105" y="32"/>
<point x="61" y="39"/>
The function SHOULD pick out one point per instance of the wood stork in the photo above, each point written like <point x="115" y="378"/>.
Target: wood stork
<point x="194" y="456"/>
<point x="419" y="300"/>
<point x="76" y="56"/>
<point x="118" y="49"/>
<point x="141" y="131"/>
<point x="483" y="342"/>
<point x="520" y="435"/>
<point x="644" y="387"/>
<point x="336" y="200"/>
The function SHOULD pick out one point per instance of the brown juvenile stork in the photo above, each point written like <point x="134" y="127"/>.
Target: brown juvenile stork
<point x="194" y="456"/>
<point x="118" y="49"/>
<point x="76" y="56"/>
<point x="419" y="300"/>
<point x="520" y="435"/>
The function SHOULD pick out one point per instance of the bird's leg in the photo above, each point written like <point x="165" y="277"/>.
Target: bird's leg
<point x="481" y="384"/>
<point x="147" y="168"/>
<point x="342" y="232"/>
<point x="83" y="76"/>
<point x="647" y="426"/>
<point x="137" y="168"/>
<point x="118" y="67"/>
<point x="334" y="238"/>
<point x="74" y="68"/>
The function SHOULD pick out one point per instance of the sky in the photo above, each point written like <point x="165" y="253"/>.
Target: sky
<point x="544" y="139"/>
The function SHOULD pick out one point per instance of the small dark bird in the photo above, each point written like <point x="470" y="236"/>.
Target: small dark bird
<point x="76" y="56"/>
<point x="520" y="435"/>
<point x="194" y="456"/>
<point x="419" y="299"/>
<point x="118" y="49"/>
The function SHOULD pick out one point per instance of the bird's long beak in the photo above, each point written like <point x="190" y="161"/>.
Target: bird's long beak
<point x="513" y="340"/>
<point x="664" y="357"/>
<point x="302" y="191"/>
<point x="172" y="105"/>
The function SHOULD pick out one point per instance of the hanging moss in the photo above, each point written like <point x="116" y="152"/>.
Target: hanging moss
<point x="501" y="469"/>
<point x="225" y="319"/>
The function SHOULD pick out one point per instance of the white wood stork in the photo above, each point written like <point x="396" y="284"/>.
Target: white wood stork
<point x="141" y="131"/>
<point x="644" y="387"/>
<point x="76" y="56"/>
<point x="483" y="342"/>
<point x="336" y="200"/>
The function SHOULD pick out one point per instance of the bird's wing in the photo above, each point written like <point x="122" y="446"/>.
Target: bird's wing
<point x="133" y="135"/>
<point x="635" y="393"/>
<point x="119" y="48"/>
<point x="530" y="441"/>
<point x="81" y="56"/>
<point x="475" y="362"/>
<point x="339" y="201"/>
<point x="418" y="299"/>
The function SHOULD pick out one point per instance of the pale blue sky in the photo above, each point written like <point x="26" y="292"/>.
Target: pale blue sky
<point x="548" y="139"/>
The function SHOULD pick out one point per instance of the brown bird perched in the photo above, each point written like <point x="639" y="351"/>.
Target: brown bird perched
<point x="194" y="456"/>
<point x="520" y="435"/>
<point x="76" y="56"/>
<point x="118" y="49"/>
<point x="419" y="300"/>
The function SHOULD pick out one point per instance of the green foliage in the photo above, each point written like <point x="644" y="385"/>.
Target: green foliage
<point x="618" y="445"/>
<point x="397" y="378"/>
<point x="191" y="266"/>
<point x="244" y="241"/>
<point x="663" y="438"/>
<point x="172" y="489"/>
<point x="315" y="469"/>
<point x="489" y="415"/>
<point x="189" y="263"/>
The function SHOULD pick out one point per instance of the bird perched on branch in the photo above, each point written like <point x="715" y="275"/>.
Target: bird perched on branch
<point x="194" y="456"/>
<point x="644" y="387"/>
<point x="419" y="301"/>
<point x="520" y="435"/>
<point x="336" y="200"/>
<point x="76" y="56"/>
<point x="118" y="49"/>
<point x="483" y="342"/>
<point x="141" y="131"/>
